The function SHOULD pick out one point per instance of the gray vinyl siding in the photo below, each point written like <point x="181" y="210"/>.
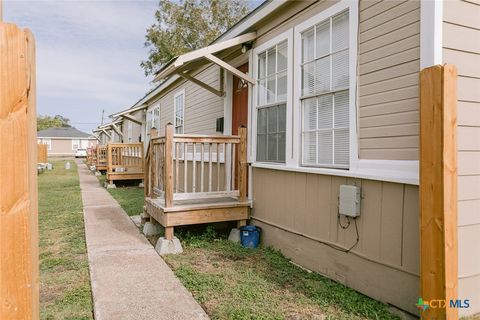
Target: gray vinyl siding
<point x="461" y="47"/>
<point x="202" y="107"/>
<point x="298" y="210"/>
<point x="389" y="63"/>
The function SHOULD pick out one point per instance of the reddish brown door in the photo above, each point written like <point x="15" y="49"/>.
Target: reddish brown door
<point x="239" y="101"/>
<point x="239" y="108"/>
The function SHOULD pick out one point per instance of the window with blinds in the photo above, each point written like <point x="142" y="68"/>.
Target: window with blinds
<point x="179" y="112"/>
<point x="271" y="103"/>
<point x="325" y="93"/>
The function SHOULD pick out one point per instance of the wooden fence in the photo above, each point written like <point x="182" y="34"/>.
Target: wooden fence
<point x="102" y="161"/>
<point x="19" y="282"/>
<point x="438" y="189"/>
<point x="42" y="153"/>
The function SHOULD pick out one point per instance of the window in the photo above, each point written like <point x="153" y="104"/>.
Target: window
<point x="48" y="142"/>
<point x="271" y="104"/>
<point x="324" y="97"/>
<point x="129" y="131"/>
<point x="75" y="144"/>
<point x="152" y="120"/>
<point x="179" y="111"/>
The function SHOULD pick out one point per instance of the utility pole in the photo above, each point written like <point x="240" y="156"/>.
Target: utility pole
<point x="103" y="111"/>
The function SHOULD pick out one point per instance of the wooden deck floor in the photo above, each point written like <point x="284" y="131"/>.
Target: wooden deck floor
<point x="195" y="211"/>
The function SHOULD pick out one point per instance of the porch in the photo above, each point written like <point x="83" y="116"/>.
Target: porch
<point x="91" y="156"/>
<point x="101" y="158"/>
<point x="194" y="179"/>
<point x="125" y="161"/>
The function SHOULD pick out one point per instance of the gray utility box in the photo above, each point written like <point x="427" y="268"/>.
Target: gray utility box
<point x="349" y="201"/>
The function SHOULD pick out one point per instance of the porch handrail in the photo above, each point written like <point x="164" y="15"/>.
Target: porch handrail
<point x="101" y="155"/>
<point x="127" y="157"/>
<point x="191" y="166"/>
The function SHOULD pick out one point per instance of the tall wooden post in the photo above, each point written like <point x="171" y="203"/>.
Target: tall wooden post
<point x="168" y="166"/>
<point x="438" y="189"/>
<point x="242" y="164"/>
<point x="19" y="283"/>
<point x="109" y="160"/>
<point x="152" y="170"/>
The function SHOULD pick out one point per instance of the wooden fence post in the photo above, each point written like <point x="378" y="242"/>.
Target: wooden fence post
<point x="242" y="164"/>
<point x="168" y="166"/>
<point x="153" y="163"/>
<point x="438" y="189"/>
<point x="19" y="283"/>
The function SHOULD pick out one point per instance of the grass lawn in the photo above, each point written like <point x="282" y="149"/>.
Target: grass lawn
<point x="231" y="282"/>
<point x="129" y="196"/>
<point x="64" y="278"/>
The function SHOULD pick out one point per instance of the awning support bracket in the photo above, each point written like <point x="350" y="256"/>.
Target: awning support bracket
<point x="229" y="68"/>
<point x="129" y="117"/>
<point x="117" y="130"/>
<point x="202" y="84"/>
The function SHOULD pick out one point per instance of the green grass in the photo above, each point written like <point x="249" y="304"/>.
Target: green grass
<point x="65" y="291"/>
<point x="231" y="282"/>
<point x="130" y="198"/>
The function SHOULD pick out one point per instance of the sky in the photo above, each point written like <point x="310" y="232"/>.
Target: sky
<point x="88" y="54"/>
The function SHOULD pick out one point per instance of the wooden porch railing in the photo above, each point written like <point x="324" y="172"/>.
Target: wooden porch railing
<point x="91" y="156"/>
<point x="181" y="166"/>
<point x="125" y="158"/>
<point x="101" y="157"/>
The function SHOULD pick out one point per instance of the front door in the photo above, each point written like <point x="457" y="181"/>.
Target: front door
<point x="239" y="108"/>
<point x="239" y="101"/>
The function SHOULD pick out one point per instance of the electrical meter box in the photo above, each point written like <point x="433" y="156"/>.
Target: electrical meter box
<point x="349" y="201"/>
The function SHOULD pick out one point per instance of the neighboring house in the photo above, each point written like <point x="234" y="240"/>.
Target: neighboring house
<point x="65" y="141"/>
<point x="329" y="91"/>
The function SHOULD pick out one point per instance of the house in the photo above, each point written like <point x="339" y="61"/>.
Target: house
<point x="329" y="92"/>
<point x="65" y="141"/>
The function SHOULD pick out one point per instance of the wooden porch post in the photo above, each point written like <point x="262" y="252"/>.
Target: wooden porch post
<point x="168" y="166"/>
<point x="19" y="282"/>
<point x="438" y="189"/>
<point x="109" y="161"/>
<point x="168" y="174"/>
<point x="242" y="164"/>
<point x="152" y="165"/>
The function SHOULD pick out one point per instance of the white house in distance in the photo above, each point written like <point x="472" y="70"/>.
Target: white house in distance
<point x="65" y="141"/>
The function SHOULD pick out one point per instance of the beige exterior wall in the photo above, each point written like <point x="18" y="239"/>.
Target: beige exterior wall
<point x="299" y="210"/>
<point x="63" y="147"/>
<point x="461" y="46"/>
<point x="202" y="107"/>
<point x="389" y="65"/>
<point x="137" y="129"/>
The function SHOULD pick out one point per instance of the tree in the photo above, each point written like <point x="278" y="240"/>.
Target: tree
<point x="185" y="25"/>
<point x="58" y="121"/>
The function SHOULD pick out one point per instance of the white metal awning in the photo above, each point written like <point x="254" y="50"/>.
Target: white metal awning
<point x="184" y="63"/>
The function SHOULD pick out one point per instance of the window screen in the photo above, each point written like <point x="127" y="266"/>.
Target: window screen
<point x="271" y="103"/>
<point x="325" y="93"/>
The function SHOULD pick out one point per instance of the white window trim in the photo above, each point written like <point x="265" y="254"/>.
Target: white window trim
<point x="288" y="36"/>
<point x="399" y="171"/>
<point x="177" y="94"/>
<point x="352" y="6"/>
<point x="48" y="142"/>
<point x="78" y="144"/>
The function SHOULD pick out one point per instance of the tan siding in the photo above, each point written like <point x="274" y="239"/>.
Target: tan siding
<point x="461" y="19"/>
<point x="307" y="204"/>
<point x="388" y="80"/>
<point x="202" y="107"/>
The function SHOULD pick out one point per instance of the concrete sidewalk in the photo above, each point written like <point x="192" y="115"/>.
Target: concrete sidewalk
<point x="129" y="279"/>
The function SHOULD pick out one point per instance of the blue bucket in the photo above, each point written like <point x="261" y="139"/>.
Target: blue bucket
<point x="250" y="236"/>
